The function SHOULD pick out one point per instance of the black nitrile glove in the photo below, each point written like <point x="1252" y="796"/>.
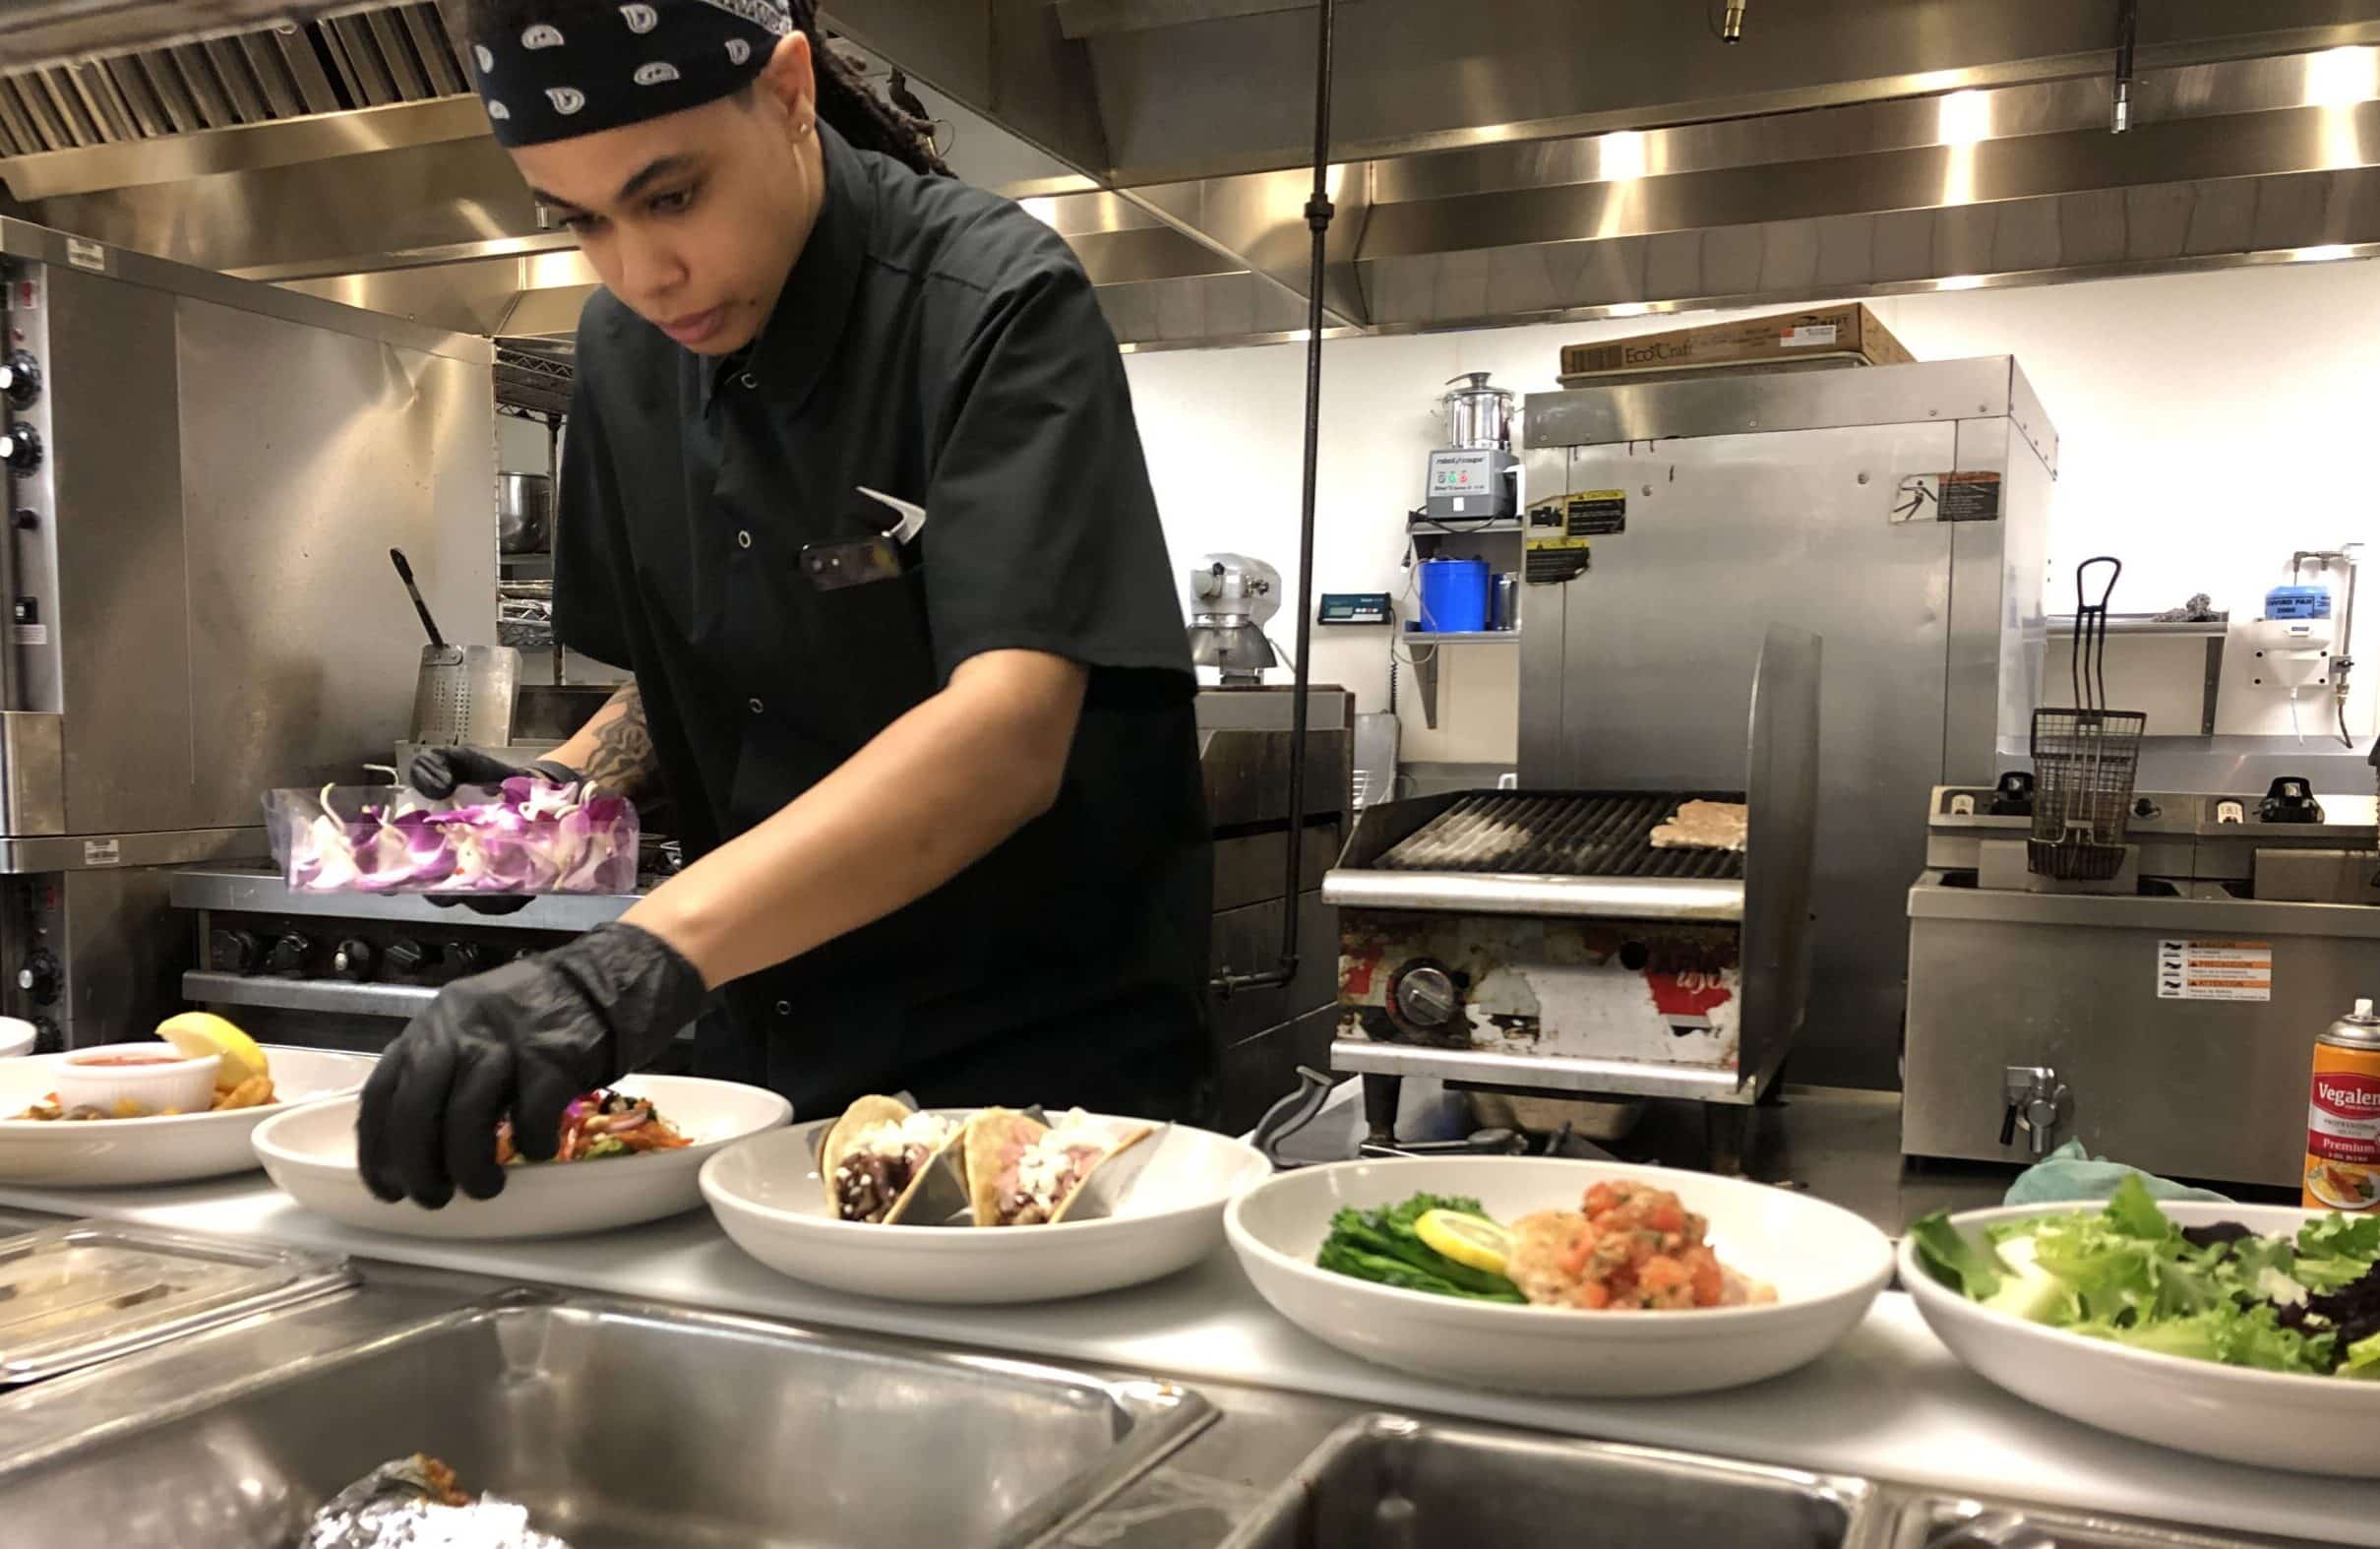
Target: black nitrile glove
<point x="437" y="772"/>
<point x="521" y="1040"/>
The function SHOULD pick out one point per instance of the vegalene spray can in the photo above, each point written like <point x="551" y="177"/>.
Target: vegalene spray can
<point x="2342" y="1121"/>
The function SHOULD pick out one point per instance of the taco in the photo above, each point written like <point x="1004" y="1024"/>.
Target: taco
<point x="877" y="1154"/>
<point x="1021" y="1172"/>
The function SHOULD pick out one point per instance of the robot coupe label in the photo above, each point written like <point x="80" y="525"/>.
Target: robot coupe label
<point x="2214" y="970"/>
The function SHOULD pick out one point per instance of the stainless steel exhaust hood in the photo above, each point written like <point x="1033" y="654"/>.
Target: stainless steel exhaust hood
<point x="1543" y="160"/>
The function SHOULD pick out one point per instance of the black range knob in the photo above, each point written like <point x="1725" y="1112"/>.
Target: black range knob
<point x="21" y="447"/>
<point x="352" y="960"/>
<point x="19" y="377"/>
<point x="465" y="960"/>
<point x="47" y="1040"/>
<point x="408" y="960"/>
<point x="235" y="952"/>
<point x="290" y="954"/>
<point x="39" y="976"/>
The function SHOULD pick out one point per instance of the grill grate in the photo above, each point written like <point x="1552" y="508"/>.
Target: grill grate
<point x="1564" y="835"/>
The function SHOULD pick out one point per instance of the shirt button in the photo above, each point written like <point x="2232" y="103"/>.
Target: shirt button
<point x="754" y="706"/>
<point x="743" y="541"/>
<point x="748" y="380"/>
<point x="784" y="1007"/>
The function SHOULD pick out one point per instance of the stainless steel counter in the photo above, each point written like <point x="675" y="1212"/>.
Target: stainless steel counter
<point x="318" y="1387"/>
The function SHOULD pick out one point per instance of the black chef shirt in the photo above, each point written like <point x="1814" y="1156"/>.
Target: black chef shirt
<point x="937" y="345"/>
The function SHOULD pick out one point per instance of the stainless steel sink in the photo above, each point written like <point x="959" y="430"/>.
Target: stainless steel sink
<point x="1948" y="1523"/>
<point x="1385" y="1482"/>
<point x="619" y="1424"/>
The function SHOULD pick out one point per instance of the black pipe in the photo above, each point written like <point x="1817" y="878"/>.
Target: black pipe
<point x="2128" y="26"/>
<point x="1319" y="213"/>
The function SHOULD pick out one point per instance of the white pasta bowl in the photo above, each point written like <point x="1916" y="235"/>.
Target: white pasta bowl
<point x="310" y="1156"/>
<point x="1826" y="1264"/>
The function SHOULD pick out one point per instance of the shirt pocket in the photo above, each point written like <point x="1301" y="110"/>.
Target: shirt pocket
<point x="871" y="651"/>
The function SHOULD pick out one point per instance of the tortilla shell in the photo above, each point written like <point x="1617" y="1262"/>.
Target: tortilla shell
<point x="1131" y="1138"/>
<point x="987" y="1135"/>
<point x="863" y="1114"/>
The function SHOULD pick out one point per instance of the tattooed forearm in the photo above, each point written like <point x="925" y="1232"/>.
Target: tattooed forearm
<point x="615" y="749"/>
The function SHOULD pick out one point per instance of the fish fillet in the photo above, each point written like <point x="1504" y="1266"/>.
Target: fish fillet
<point x="1703" y="826"/>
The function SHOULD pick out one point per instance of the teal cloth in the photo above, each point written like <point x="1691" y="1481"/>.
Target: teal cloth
<point x="2072" y="1173"/>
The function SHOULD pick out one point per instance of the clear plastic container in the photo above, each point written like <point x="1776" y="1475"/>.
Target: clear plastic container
<point x="527" y="837"/>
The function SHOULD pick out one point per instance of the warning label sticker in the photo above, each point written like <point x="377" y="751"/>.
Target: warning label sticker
<point x="2214" y="970"/>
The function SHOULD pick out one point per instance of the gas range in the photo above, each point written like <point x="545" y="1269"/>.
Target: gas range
<point x="346" y="969"/>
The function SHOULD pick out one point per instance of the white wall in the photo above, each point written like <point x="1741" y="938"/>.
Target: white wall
<point x="2210" y="424"/>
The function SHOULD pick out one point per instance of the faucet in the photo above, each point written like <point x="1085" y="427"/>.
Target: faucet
<point x="2038" y="1100"/>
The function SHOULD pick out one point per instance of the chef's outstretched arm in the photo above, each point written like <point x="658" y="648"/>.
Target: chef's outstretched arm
<point x="931" y="794"/>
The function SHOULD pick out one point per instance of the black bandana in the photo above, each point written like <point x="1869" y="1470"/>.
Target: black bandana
<point x="635" y="63"/>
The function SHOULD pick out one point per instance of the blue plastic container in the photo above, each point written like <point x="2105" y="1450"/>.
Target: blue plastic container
<point x="1454" y="596"/>
<point x="2298" y="602"/>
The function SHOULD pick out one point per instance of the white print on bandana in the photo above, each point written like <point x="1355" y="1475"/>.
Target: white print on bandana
<point x="770" y="15"/>
<point x="497" y="110"/>
<point x="640" y="19"/>
<point x="738" y="50"/>
<point x="654" y="74"/>
<point x="485" y="56"/>
<point x="567" y="100"/>
<point x="543" y="35"/>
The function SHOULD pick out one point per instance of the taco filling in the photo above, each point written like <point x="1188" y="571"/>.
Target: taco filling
<point x="882" y="1159"/>
<point x="1037" y="1169"/>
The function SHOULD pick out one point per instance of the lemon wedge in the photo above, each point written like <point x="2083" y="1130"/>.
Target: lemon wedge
<point x="196" y="1033"/>
<point x="1472" y="1241"/>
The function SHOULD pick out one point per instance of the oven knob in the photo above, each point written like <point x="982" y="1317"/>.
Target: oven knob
<point x="47" y="1040"/>
<point x="289" y="955"/>
<point x="467" y="960"/>
<point x="21" y="447"/>
<point x="351" y="959"/>
<point x="236" y="951"/>
<point x="1427" y="997"/>
<point x="408" y="958"/>
<point x="39" y="977"/>
<point x="19" y="377"/>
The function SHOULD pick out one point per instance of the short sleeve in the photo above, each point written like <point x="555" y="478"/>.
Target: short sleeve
<point x="1042" y="531"/>
<point x="591" y="605"/>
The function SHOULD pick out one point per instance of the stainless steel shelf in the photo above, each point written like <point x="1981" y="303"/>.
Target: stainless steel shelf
<point x="2062" y="627"/>
<point x="1452" y="530"/>
<point x="319" y="995"/>
<point x="1482" y="636"/>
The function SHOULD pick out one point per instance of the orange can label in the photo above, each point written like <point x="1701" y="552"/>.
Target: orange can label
<point x="2342" y="1131"/>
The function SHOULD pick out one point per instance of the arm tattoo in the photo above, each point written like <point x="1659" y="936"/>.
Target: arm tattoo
<point x="624" y="761"/>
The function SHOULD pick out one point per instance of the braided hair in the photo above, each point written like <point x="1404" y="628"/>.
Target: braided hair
<point x="845" y="99"/>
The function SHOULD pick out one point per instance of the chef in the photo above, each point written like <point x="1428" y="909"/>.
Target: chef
<point x="852" y="487"/>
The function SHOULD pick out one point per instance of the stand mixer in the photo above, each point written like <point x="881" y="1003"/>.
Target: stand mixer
<point x="1232" y="598"/>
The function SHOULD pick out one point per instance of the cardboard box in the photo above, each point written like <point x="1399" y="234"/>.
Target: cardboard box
<point x="1839" y="335"/>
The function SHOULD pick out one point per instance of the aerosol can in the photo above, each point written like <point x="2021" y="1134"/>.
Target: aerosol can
<point x="2343" y="1117"/>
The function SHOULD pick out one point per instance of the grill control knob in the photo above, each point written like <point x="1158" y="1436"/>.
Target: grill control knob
<point x="47" y="1040"/>
<point x="407" y="959"/>
<point x="19" y="377"/>
<point x="351" y="959"/>
<point x="21" y="447"/>
<point x="39" y="977"/>
<point x="290" y="954"/>
<point x="1426" y="995"/>
<point x="467" y="960"/>
<point x="235" y="952"/>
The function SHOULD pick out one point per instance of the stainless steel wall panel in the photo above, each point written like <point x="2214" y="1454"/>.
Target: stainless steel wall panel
<point x="120" y="598"/>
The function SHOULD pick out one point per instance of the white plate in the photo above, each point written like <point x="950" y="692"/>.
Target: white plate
<point x="2278" y="1420"/>
<point x="115" y="1152"/>
<point x="768" y="1197"/>
<point x="17" y="1037"/>
<point x="311" y="1154"/>
<point x="1826" y="1263"/>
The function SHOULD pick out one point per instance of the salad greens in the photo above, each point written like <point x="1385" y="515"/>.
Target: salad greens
<point x="2308" y="1303"/>
<point x="1380" y="1246"/>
